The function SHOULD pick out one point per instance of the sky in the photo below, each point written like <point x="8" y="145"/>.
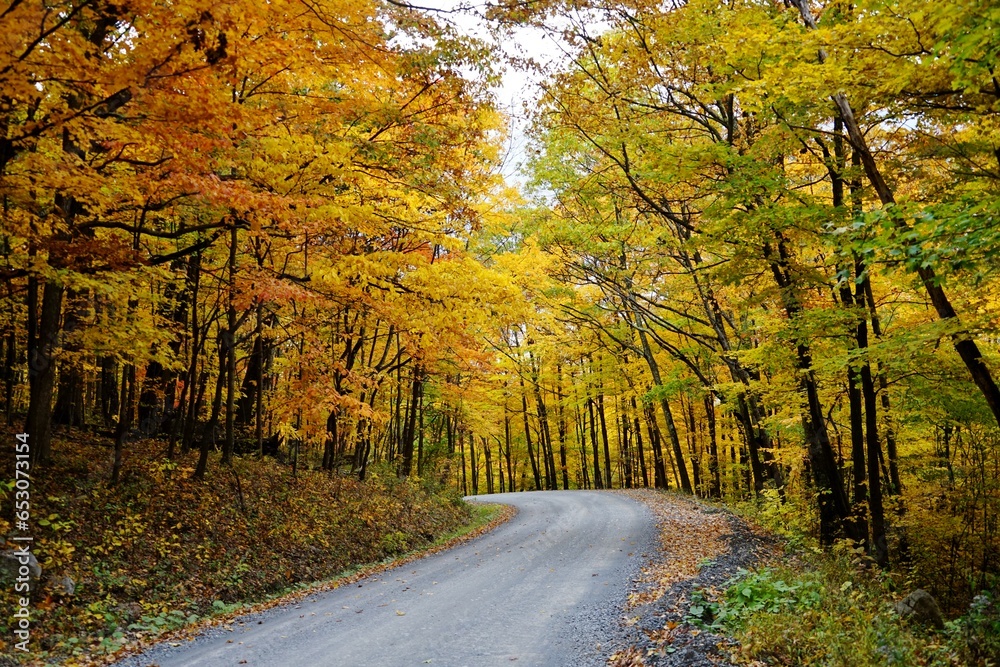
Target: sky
<point x="519" y="88"/>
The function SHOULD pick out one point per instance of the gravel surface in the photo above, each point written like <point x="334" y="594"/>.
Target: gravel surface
<point x="546" y="589"/>
<point x="657" y="633"/>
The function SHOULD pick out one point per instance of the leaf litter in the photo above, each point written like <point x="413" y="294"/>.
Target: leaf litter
<point x="701" y="547"/>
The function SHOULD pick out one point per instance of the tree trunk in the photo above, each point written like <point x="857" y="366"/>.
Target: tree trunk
<point x="192" y="378"/>
<point x="124" y="419"/>
<point x="410" y="428"/>
<point x="857" y="418"/>
<point x="562" y="432"/>
<point x="715" y="490"/>
<point x="208" y="433"/>
<point x="835" y="511"/>
<point x="420" y="432"/>
<point x="545" y="434"/>
<point x="692" y="446"/>
<point x="109" y="390"/>
<point x="42" y="375"/>
<point x="654" y="369"/>
<point x="581" y="434"/>
<point x="10" y="360"/>
<point x="895" y="487"/>
<point x="332" y="435"/>
<point x="638" y="444"/>
<point x="489" y="465"/>
<point x="624" y="445"/>
<point x="70" y="409"/>
<point x="230" y="333"/>
<point x="604" y="440"/>
<point x="879" y="546"/>
<point x="195" y="403"/>
<point x="598" y="481"/>
<point x="527" y="437"/>
<point x="659" y="470"/>
<point x="507" y="452"/>
<point x="246" y="406"/>
<point x="473" y="464"/>
<point x="461" y="451"/>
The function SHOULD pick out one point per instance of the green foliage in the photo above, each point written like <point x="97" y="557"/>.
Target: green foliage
<point x="395" y="543"/>
<point x="831" y="608"/>
<point x="815" y="616"/>
<point x="749" y="593"/>
<point x="975" y="637"/>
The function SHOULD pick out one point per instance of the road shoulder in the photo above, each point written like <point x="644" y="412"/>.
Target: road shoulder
<point x="701" y="547"/>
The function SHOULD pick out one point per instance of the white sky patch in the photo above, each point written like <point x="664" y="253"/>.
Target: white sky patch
<point x="519" y="91"/>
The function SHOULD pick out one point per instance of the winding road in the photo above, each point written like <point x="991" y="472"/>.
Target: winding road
<point x="545" y="589"/>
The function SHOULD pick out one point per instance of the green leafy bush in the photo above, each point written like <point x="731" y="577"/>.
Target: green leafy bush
<point x="751" y="592"/>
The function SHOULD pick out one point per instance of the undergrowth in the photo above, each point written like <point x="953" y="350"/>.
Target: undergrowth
<point x="160" y="551"/>
<point x="833" y="607"/>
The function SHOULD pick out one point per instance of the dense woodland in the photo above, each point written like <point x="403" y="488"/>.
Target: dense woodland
<point x="755" y="262"/>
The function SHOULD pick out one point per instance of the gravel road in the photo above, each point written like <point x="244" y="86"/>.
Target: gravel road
<point x="545" y="589"/>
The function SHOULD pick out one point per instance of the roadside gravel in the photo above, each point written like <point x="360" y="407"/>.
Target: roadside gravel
<point x="701" y="547"/>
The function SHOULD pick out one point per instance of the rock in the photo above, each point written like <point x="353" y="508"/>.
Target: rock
<point x="131" y="611"/>
<point x="920" y="607"/>
<point x="63" y="585"/>
<point x="12" y="562"/>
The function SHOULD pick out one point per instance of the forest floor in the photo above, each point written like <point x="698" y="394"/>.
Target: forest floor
<point x="701" y="548"/>
<point x="160" y="553"/>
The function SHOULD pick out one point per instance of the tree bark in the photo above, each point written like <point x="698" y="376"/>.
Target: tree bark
<point x="598" y="481"/>
<point x="668" y="416"/>
<point x="638" y="444"/>
<point x="506" y="451"/>
<point x="527" y="437"/>
<point x="124" y="420"/>
<point x="70" y="409"/>
<point x="230" y="333"/>
<point x="410" y="427"/>
<point x="715" y="488"/>
<point x="208" y="433"/>
<point x="192" y="378"/>
<point x="489" y="465"/>
<point x="604" y="441"/>
<point x="834" y="508"/>
<point x="42" y="375"/>
<point x="659" y="469"/>
<point x="545" y="433"/>
<point x="562" y="429"/>
<point x="879" y="545"/>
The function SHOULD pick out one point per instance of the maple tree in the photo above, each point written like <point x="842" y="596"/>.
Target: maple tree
<point x="291" y="182"/>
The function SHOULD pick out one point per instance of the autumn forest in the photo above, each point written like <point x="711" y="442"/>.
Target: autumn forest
<point x="752" y="259"/>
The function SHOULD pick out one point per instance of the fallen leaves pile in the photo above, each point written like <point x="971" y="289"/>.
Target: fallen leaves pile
<point x="689" y="537"/>
<point x="701" y="547"/>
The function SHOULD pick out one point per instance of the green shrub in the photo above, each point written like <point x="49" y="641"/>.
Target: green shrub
<point x="749" y="593"/>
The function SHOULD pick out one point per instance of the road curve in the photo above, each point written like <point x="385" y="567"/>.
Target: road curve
<point x="545" y="589"/>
